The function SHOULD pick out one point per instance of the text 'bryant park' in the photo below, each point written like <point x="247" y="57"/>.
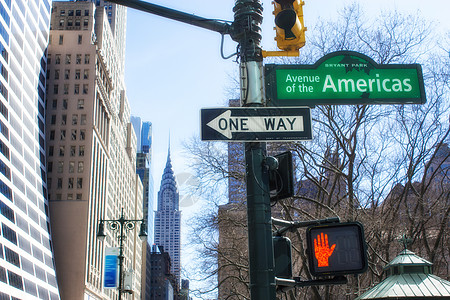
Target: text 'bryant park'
<point x="245" y="149"/>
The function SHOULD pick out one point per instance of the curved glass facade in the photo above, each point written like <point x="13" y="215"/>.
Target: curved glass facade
<point x="26" y="254"/>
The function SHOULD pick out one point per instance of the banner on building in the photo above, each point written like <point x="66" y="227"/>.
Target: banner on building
<point x="111" y="273"/>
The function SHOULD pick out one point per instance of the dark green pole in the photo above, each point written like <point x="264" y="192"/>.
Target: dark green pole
<point x="261" y="261"/>
<point x="121" y="256"/>
<point x="246" y="31"/>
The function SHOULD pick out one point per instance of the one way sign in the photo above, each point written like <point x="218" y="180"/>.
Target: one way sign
<point x="256" y="124"/>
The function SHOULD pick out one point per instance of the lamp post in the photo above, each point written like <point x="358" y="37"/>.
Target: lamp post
<point x="123" y="225"/>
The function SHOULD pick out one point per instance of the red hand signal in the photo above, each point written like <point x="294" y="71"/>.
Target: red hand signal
<point x="322" y="250"/>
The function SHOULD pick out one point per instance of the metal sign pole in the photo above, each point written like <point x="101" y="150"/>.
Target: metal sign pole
<point x="246" y="25"/>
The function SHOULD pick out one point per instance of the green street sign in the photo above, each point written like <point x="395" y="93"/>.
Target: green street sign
<point x="344" y="77"/>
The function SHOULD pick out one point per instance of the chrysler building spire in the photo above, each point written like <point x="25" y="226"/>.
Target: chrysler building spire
<point x="168" y="217"/>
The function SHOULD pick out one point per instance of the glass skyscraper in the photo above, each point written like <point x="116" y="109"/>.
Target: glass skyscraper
<point x="26" y="253"/>
<point x="143" y="132"/>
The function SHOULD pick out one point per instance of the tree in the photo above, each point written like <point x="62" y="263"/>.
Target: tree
<point x="386" y="166"/>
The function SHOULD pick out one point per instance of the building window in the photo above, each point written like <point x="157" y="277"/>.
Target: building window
<point x="83" y="119"/>
<point x="53" y="120"/>
<point x="15" y="280"/>
<point x="54" y="103"/>
<point x="80" y="104"/>
<point x="85" y="22"/>
<point x="63" y="119"/>
<point x="66" y="74"/>
<point x="78" y="13"/>
<point x="69" y="23"/>
<point x="78" y="24"/>
<point x="60" y="166"/>
<point x="85" y="89"/>
<point x="9" y="234"/>
<point x="73" y="150"/>
<point x="52" y="135"/>
<point x="65" y="104"/>
<point x="63" y="135"/>
<point x="79" y="196"/>
<point x="49" y="167"/>
<point x="76" y="90"/>
<point x="62" y="150"/>
<point x="80" y="167"/>
<point x="62" y="12"/>
<point x="79" y="183"/>
<point x="68" y="58"/>
<point x="86" y="74"/>
<point x="74" y="135"/>
<point x="59" y="184"/>
<point x="70" y="196"/>
<point x="61" y="24"/>
<point x="66" y="89"/>
<point x="61" y="39"/>
<point x="80" y="38"/>
<point x="55" y="89"/>
<point x="82" y="135"/>
<point x="77" y="74"/>
<point x="50" y="151"/>
<point x="74" y="119"/>
<point x="4" y="149"/>
<point x="56" y="74"/>
<point x="70" y="13"/>
<point x="5" y="190"/>
<point x="87" y="58"/>
<point x="71" y="166"/>
<point x="81" y="151"/>
<point x="70" y="183"/>
<point x="57" y="59"/>
<point x="86" y="12"/>
<point x="78" y="60"/>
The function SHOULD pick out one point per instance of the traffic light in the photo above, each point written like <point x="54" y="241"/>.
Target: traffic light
<point x="281" y="180"/>
<point x="290" y="27"/>
<point x="283" y="256"/>
<point x="336" y="249"/>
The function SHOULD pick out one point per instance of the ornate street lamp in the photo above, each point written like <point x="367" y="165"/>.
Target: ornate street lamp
<point x="123" y="225"/>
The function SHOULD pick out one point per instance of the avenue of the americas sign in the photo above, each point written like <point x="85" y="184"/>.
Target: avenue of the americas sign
<point x="256" y="124"/>
<point x="344" y="77"/>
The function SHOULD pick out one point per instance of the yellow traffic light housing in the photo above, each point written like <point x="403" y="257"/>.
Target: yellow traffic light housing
<point x="290" y="27"/>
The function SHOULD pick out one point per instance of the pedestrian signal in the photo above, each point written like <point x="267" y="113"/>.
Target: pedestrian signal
<point x="336" y="249"/>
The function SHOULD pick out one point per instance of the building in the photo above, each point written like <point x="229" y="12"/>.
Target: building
<point x="26" y="254"/>
<point x="184" y="291"/>
<point x="143" y="169"/>
<point x="91" y="148"/>
<point x="164" y="285"/>
<point x="168" y="219"/>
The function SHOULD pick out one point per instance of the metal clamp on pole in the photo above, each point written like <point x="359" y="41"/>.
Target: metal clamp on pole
<point x="291" y="225"/>
<point x="287" y="284"/>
